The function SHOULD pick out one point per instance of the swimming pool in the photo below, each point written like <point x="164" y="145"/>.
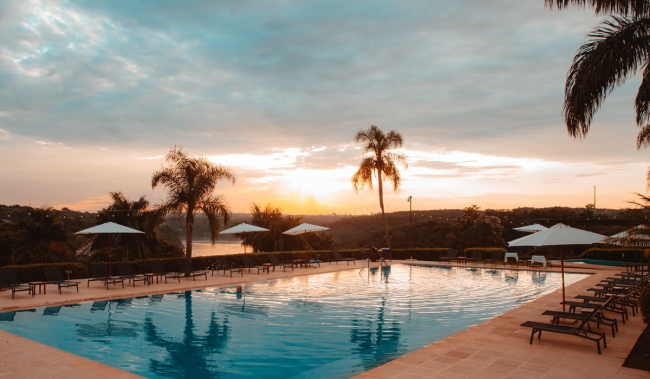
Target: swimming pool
<point x="332" y="325"/>
<point x="599" y="262"/>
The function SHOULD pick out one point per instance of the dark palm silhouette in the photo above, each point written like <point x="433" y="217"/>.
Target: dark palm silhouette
<point x="379" y="162"/>
<point x="139" y="215"/>
<point x="613" y="52"/>
<point x="189" y="357"/>
<point x="190" y="182"/>
<point x="42" y="238"/>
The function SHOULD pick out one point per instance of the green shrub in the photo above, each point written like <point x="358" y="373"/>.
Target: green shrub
<point x="644" y="303"/>
<point x="631" y="255"/>
<point x="34" y="272"/>
<point x="487" y="251"/>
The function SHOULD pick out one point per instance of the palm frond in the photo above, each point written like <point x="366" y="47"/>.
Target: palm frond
<point x="613" y="52"/>
<point x="363" y="176"/>
<point x="215" y="208"/>
<point x="601" y="7"/>
<point x="391" y="173"/>
<point x="642" y="104"/>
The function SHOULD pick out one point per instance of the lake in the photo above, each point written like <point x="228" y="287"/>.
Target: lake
<point x="205" y="248"/>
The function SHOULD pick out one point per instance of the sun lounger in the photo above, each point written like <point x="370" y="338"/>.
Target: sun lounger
<point x="477" y="255"/>
<point x="126" y="272"/>
<point x="618" y="300"/>
<point x="582" y="330"/>
<point x="186" y="269"/>
<point x="9" y="280"/>
<point x="250" y="264"/>
<point x="158" y="268"/>
<point x="100" y="273"/>
<point x="599" y="319"/>
<point x="496" y="257"/>
<point x="580" y="304"/>
<point x="338" y="258"/>
<point x="452" y="254"/>
<point x="302" y="261"/>
<point x="55" y="276"/>
<point x="223" y="264"/>
<point x="276" y="262"/>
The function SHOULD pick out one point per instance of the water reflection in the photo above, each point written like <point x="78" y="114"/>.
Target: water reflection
<point x="103" y="331"/>
<point x="189" y="356"/>
<point x="54" y="311"/>
<point x="9" y="316"/>
<point x="376" y="343"/>
<point x="512" y="276"/>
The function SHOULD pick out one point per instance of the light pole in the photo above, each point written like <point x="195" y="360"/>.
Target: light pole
<point x="411" y="218"/>
<point x="594" y="199"/>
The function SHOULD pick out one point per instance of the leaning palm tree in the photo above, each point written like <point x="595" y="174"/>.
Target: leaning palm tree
<point x="379" y="162"/>
<point x="190" y="182"/>
<point x="613" y="52"/>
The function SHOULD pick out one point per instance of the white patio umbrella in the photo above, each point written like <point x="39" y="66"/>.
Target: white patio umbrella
<point x="303" y="229"/>
<point x="243" y="228"/>
<point x="534" y="228"/>
<point x="559" y="235"/>
<point x="109" y="228"/>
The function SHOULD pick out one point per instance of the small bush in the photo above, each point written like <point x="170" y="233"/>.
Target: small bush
<point x="644" y="303"/>
<point x="630" y="255"/>
<point x="487" y="251"/>
<point x="34" y="272"/>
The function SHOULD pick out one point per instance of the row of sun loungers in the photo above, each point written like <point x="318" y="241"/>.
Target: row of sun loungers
<point x="100" y="272"/>
<point x="477" y="256"/>
<point x="612" y="295"/>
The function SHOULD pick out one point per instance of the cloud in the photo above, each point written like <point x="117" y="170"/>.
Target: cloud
<point x="277" y="90"/>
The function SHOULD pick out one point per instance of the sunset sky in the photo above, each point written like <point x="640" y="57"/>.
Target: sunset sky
<point x="93" y="94"/>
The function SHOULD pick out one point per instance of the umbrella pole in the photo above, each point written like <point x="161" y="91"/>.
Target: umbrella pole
<point x="244" y="242"/>
<point x="562" y="264"/>
<point x="110" y="251"/>
<point x="305" y="235"/>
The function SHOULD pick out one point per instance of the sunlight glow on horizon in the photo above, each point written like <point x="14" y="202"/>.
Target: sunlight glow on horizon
<point x="288" y="178"/>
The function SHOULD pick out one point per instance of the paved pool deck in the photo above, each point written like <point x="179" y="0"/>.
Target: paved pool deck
<point x="497" y="348"/>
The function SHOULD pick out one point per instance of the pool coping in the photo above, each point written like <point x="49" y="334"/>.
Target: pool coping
<point x="490" y="349"/>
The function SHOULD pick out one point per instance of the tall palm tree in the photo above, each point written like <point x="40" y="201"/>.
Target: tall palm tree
<point x="378" y="161"/>
<point x="190" y="182"/>
<point x="614" y="51"/>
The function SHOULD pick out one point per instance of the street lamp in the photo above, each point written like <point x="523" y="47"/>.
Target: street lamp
<point x="410" y="200"/>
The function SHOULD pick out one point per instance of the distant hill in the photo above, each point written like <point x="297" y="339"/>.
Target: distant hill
<point x="429" y="227"/>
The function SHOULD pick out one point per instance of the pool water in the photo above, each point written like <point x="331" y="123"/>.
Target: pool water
<point x="599" y="262"/>
<point x="333" y="325"/>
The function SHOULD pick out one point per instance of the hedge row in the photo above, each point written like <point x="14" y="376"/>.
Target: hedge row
<point x="627" y="255"/>
<point x="487" y="251"/>
<point x="34" y="272"/>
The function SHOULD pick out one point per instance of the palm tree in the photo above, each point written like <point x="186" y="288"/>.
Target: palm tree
<point x="138" y="215"/>
<point x="42" y="237"/>
<point x="613" y="52"/>
<point x="379" y="161"/>
<point x="190" y="182"/>
<point x="271" y="218"/>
